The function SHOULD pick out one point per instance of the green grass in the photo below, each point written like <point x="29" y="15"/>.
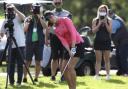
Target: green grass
<point x="86" y="82"/>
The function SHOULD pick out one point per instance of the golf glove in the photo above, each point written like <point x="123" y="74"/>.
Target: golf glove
<point x="73" y="50"/>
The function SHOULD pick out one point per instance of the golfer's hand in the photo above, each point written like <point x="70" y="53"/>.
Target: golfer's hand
<point x="73" y="51"/>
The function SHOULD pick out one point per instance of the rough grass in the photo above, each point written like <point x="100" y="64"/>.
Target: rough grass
<point x="86" y="82"/>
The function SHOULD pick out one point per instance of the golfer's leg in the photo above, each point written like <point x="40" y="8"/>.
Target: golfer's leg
<point x="70" y="74"/>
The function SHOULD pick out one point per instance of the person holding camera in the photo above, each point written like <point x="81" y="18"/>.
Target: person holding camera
<point x="72" y="45"/>
<point x="13" y="24"/>
<point x="120" y="40"/>
<point x="56" y="51"/>
<point x="35" y="39"/>
<point x="102" y="26"/>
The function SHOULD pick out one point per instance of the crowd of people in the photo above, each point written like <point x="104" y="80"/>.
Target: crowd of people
<point x="32" y="32"/>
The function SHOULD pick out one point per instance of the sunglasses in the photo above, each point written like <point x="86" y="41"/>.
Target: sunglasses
<point x="57" y="3"/>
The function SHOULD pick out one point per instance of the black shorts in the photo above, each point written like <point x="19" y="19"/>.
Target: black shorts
<point x="79" y="51"/>
<point x="34" y="50"/>
<point x="56" y="47"/>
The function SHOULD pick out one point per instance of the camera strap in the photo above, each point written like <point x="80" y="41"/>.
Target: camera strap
<point x="35" y="26"/>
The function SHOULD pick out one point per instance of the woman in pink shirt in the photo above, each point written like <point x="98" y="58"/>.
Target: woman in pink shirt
<point x="72" y="45"/>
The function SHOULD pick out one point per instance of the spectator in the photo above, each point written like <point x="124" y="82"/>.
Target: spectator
<point x="18" y="34"/>
<point x="33" y="27"/>
<point x="120" y="39"/>
<point x="101" y="25"/>
<point x="55" y="42"/>
<point x="72" y="45"/>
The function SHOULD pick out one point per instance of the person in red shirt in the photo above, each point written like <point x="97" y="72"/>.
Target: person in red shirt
<point x="56" y="51"/>
<point x="72" y="45"/>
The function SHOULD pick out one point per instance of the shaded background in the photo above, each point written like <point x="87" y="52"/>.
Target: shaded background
<point x="84" y="11"/>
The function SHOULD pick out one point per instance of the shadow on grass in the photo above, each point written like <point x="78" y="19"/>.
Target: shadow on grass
<point x="48" y="85"/>
<point x="65" y="83"/>
<point x="3" y="68"/>
<point x="81" y="83"/>
<point x="116" y="81"/>
<point x="23" y="87"/>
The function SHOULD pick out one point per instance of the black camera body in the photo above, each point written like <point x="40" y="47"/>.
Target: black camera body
<point x="9" y="24"/>
<point x="102" y="17"/>
<point x="10" y="15"/>
<point x="36" y="9"/>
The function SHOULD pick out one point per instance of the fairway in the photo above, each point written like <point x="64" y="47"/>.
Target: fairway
<point x="86" y="82"/>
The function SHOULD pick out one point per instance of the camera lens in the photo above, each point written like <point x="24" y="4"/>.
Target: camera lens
<point x="102" y="17"/>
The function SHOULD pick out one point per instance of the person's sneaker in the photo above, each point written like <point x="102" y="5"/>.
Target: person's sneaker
<point x="125" y="75"/>
<point x="11" y="84"/>
<point x="62" y="79"/>
<point x="97" y="77"/>
<point x="53" y="78"/>
<point x="35" y="80"/>
<point x="18" y="84"/>
<point x="25" y="80"/>
<point x="119" y="73"/>
<point x="107" y="77"/>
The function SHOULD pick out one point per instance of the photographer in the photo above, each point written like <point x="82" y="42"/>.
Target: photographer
<point x="15" y="17"/>
<point x="35" y="38"/>
<point x="101" y="25"/>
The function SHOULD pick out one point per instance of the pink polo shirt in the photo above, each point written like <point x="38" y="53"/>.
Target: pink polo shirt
<point x="66" y="32"/>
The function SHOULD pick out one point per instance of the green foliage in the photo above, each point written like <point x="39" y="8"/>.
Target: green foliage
<point x="1" y="14"/>
<point x="120" y="7"/>
<point x="84" y="11"/>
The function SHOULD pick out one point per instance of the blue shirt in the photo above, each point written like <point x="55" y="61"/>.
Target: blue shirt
<point x="63" y="13"/>
<point x="115" y="25"/>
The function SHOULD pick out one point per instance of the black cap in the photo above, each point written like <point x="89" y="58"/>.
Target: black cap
<point x="47" y="15"/>
<point x="36" y="8"/>
<point x="110" y="11"/>
<point x="36" y="4"/>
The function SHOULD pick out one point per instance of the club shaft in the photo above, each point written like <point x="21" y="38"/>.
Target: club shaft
<point x="66" y="66"/>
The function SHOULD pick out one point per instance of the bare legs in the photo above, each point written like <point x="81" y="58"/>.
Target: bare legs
<point x="106" y="55"/>
<point x="70" y="73"/>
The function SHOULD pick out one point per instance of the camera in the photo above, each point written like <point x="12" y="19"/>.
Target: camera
<point x="36" y="8"/>
<point x="10" y="13"/>
<point x="10" y="16"/>
<point x="9" y="24"/>
<point x="102" y="17"/>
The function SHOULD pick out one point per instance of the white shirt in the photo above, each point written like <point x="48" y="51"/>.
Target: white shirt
<point x="18" y="32"/>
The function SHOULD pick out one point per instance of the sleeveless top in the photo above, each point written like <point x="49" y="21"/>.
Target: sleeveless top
<point x="39" y="32"/>
<point x="102" y="34"/>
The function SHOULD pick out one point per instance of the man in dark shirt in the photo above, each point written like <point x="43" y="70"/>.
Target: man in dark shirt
<point x="120" y="39"/>
<point x="33" y="28"/>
